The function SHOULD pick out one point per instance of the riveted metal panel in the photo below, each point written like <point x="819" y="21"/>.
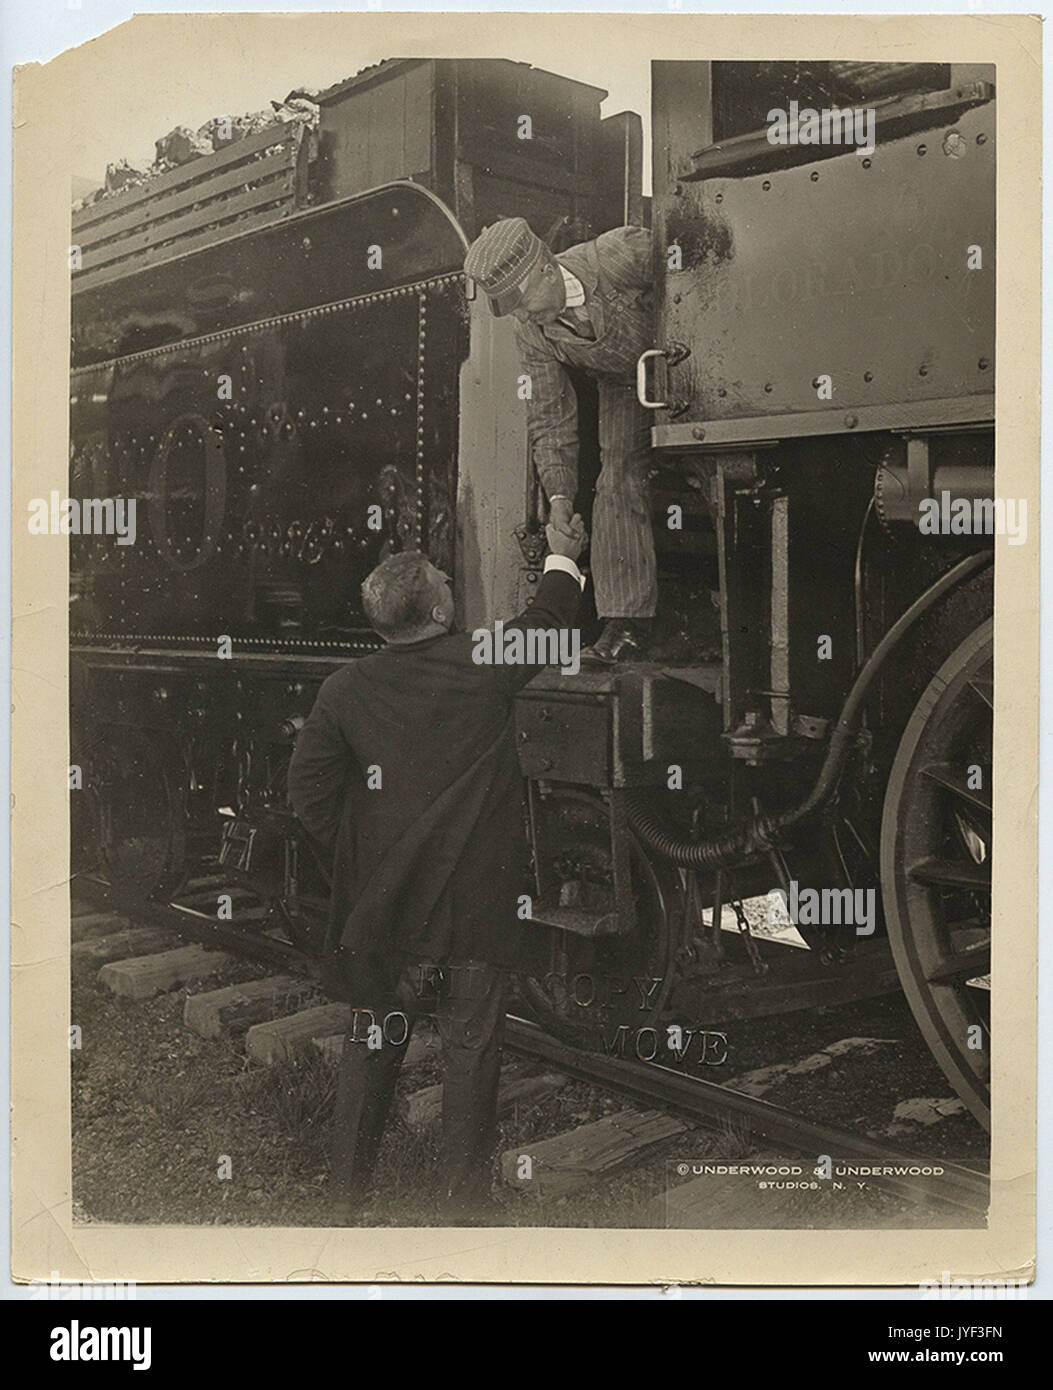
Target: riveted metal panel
<point x="255" y="443"/>
<point x="618" y="728"/>
<point x="851" y="267"/>
<point x="321" y="257"/>
<point x="564" y="737"/>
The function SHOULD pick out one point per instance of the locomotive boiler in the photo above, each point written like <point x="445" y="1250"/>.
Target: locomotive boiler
<point x="276" y="352"/>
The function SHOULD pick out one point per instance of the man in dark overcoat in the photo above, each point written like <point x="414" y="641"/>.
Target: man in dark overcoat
<point x="407" y="771"/>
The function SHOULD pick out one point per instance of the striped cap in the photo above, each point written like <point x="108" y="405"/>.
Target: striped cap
<point x="501" y="258"/>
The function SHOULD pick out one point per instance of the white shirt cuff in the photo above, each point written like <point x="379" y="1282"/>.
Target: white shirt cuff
<point x="565" y="563"/>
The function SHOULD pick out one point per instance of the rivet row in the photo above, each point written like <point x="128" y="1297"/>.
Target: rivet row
<point x="300" y="315"/>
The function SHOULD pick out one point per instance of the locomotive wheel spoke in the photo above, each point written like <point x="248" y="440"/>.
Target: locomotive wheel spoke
<point x="950" y="777"/>
<point x="936" y="866"/>
<point x="962" y="966"/>
<point x="952" y="873"/>
<point x="985" y="690"/>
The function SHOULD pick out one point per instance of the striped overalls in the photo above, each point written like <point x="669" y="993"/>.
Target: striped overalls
<point x="616" y="273"/>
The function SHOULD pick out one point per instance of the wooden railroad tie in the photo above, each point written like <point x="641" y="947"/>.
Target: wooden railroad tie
<point x="573" y="1160"/>
<point x="142" y="977"/>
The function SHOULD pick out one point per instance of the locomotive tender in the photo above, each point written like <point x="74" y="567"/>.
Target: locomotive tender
<point x="276" y="352"/>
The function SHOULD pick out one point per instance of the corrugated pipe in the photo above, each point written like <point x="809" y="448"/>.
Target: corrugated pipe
<point x="761" y="833"/>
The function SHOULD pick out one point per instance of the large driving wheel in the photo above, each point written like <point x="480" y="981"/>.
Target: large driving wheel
<point x="936" y="866"/>
<point x="584" y="989"/>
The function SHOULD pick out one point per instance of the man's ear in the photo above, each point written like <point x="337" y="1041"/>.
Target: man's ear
<point x="438" y="616"/>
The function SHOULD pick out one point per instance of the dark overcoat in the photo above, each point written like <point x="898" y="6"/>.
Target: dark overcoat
<point x="428" y="862"/>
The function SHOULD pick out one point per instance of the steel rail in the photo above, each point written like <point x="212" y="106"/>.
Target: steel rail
<point x="689" y="1096"/>
<point x="198" y="926"/>
<point x="698" y="1099"/>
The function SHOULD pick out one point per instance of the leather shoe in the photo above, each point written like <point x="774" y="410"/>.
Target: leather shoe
<point x="622" y="639"/>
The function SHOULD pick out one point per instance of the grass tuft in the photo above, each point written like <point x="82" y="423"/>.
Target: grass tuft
<point x="299" y="1092"/>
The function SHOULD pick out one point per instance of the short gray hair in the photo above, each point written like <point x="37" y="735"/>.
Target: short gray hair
<point x="398" y="595"/>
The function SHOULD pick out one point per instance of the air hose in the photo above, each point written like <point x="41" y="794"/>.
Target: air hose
<point x="761" y="833"/>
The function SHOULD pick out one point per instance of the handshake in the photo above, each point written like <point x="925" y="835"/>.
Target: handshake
<point x="566" y="532"/>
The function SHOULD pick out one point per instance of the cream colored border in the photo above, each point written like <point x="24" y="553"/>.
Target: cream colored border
<point x="126" y="66"/>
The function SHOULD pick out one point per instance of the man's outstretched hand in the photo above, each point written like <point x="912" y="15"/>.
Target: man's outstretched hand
<point x="568" y="538"/>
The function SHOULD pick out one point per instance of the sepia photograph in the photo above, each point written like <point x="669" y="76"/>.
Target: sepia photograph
<point x="544" y="752"/>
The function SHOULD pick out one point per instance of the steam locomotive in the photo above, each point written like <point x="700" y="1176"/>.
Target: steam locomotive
<point x="276" y="352"/>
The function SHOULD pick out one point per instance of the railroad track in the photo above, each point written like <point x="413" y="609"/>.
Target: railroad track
<point x="674" y="1101"/>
